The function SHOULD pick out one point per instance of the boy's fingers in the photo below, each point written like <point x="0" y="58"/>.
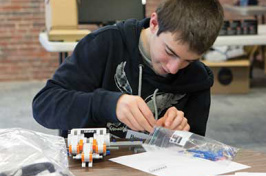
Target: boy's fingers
<point x="160" y="122"/>
<point x="171" y="116"/>
<point x="141" y="120"/>
<point x="145" y="110"/>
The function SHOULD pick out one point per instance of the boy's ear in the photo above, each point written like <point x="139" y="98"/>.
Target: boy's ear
<point x="154" y="26"/>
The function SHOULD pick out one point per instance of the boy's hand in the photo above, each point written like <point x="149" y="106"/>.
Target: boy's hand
<point x="174" y="120"/>
<point x="134" y="112"/>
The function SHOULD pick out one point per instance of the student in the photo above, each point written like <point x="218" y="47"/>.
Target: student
<point x="137" y="74"/>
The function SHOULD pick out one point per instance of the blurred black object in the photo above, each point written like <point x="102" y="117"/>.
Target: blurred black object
<point x="104" y="12"/>
<point x="34" y="169"/>
<point x="246" y="2"/>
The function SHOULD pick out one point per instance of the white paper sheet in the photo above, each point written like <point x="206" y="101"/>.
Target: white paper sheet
<point x="250" y="174"/>
<point x="247" y="174"/>
<point x="161" y="164"/>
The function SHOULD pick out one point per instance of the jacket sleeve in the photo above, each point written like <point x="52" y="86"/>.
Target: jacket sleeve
<point x="73" y="98"/>
<point x="197" y="111"/>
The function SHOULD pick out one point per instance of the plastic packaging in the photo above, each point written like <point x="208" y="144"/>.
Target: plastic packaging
<point x="27" y="153"/>
<point x="189" y="144"/>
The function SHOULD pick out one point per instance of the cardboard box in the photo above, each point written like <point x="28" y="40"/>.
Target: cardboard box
<point x="230" y="77"/>
<point x="61" y="14"/>
<point x="67" y="35"/>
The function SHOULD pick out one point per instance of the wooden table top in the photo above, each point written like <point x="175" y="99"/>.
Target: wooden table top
<point x="104" y="167"/>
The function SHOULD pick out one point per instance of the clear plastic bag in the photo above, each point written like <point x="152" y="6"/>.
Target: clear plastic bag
<point x="25" y="153"/>
<point x="190" y="144"/>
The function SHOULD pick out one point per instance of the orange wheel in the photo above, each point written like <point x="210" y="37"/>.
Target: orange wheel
<point x="90" y="157"/>
<point x="104" y="148"/>
<point x="94" y="143"/>
<point x="70" y="149"/>
<point x="78" y="149"/>
<point x="81" y="145"/>
<point x="96" y="149"/>
<point x="82" y="157"/>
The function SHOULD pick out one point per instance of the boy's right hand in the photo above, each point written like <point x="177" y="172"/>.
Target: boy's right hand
<point x="134" y="112"/>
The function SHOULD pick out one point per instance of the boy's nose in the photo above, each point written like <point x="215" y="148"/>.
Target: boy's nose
<point x="174" y="65"/>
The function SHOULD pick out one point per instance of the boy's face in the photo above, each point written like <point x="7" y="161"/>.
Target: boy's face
<point x="168" y="56"/>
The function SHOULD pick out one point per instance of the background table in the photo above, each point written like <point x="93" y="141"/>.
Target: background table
<point x="104" y="167"/>
<point x="245" y="10"/>
<point x="244" y="40"/>
<point x="61" y="47"/>
<point x="259" y="39"/>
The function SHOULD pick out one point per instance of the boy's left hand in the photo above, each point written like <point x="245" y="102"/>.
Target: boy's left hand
<point x="174" y="119"/>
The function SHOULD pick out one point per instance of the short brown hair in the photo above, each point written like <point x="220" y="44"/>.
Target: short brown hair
<point x="197" y="21"/>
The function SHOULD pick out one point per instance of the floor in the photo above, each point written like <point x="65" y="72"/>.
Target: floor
<point x="240" y="120"/>
<point x="237" y="120"/>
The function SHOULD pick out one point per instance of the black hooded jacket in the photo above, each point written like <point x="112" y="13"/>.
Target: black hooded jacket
<point x="105" y="64"/>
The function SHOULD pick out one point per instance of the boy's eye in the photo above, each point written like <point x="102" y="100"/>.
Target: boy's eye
<point x="169" y="53"/>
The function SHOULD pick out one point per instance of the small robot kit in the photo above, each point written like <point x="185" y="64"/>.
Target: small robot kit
<point x="239" y="27"/>
<point x="93" y="143"/>
<point x="88" y="144"/>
